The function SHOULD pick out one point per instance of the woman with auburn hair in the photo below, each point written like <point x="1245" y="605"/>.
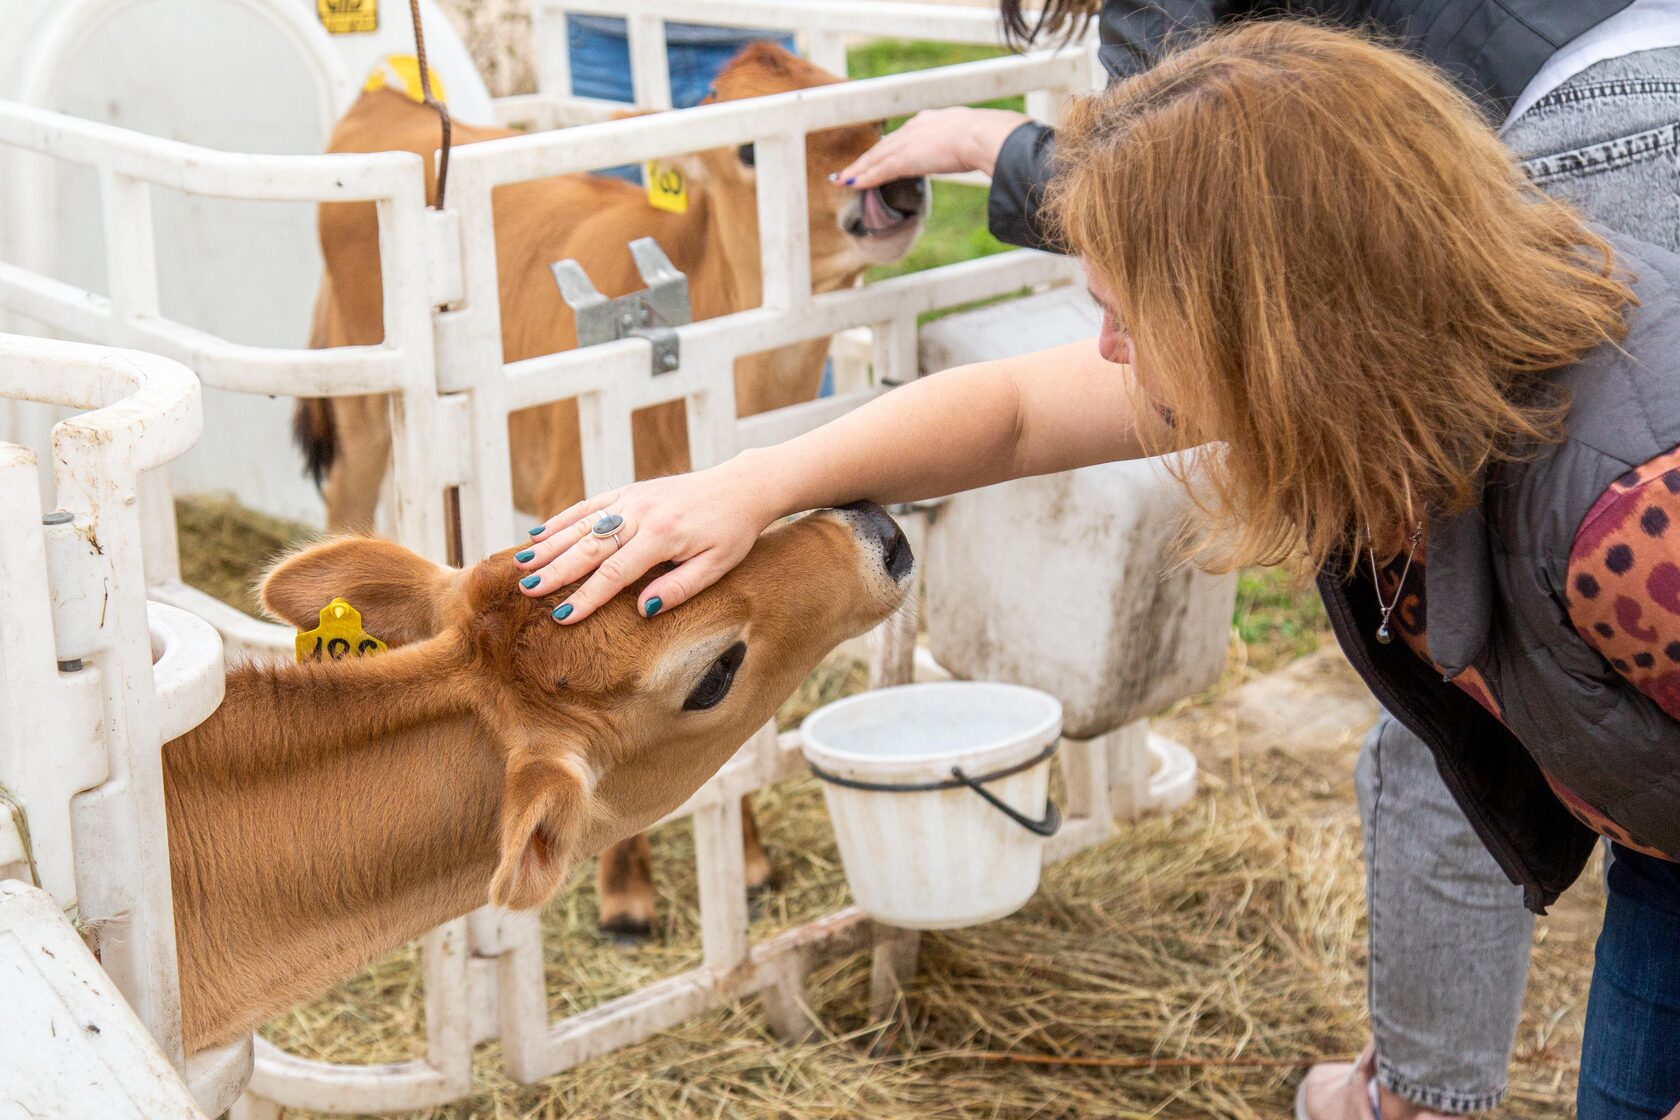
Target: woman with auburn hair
<point x="1390" y="360"/>
<point x="1585" y="95"/>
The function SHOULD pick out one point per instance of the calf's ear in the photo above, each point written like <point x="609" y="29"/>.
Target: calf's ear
<point x="545" y="805"/>
<point x="401" y="595"/>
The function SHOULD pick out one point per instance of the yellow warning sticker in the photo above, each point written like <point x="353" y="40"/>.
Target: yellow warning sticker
<point x="339" y="635"/>
<point x="667" y="187"/>
<point x="348" y="17"/>
<point x="401" y="72"/>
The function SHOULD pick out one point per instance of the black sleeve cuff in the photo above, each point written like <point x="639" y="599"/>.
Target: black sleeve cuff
<point x="1014" y="208"/>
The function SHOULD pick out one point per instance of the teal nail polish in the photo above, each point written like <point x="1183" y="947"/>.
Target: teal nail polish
<point x="535" y="529"/>
<point x="525" y="554"/>
<point x="562" y="612"/>
<point x="530" y="581"/>
<point x="653" y="606"/>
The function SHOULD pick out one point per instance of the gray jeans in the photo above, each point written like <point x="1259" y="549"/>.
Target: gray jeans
<point x="1449" y="935"/>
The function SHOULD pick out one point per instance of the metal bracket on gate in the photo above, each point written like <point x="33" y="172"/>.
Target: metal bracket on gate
<point x="651" y="313"/>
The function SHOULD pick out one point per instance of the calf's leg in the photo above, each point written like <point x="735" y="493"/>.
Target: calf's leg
<point x="361" y="454"/>
<point x="624" y="883"/>
<point x="760" y="875"/>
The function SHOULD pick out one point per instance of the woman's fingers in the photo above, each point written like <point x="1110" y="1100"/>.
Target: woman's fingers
<point x="714" y="514"/>
<point x="898" y="162"/>
<point x="613" y="575"/>
<point x="935" y="142"/>
<point x="558" y="536"/>
<point x="571" y="514"/>
<point x="926" y="145"/>
<point x="571" y="554"/>
<point x="860" y="168"/>
<point x="896" y="157"/>
<point x="684" y="582"/>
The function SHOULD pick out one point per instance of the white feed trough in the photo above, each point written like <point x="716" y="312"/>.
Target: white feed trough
<point x="939" y="797"/>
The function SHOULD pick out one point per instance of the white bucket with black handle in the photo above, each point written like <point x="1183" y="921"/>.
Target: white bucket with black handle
<point x="939" y="796"/>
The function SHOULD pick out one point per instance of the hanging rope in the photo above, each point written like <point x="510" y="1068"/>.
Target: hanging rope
<point x="437" y="106"/>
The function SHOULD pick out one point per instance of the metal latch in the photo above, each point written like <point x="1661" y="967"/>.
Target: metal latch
<point x="651" y="313"/>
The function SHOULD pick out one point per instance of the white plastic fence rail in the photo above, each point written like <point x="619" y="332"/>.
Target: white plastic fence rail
<point x="441" y="361"/>
<point x="89" y="690"/>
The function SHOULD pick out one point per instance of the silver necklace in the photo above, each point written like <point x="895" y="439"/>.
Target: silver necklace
<point x="1384" y="634"/>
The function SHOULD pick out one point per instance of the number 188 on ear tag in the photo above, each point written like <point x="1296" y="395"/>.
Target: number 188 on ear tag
<point x="667" y="187"/>
<point x="339" y="635"/>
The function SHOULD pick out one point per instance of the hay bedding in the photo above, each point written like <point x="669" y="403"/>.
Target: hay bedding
<point x="1232" y="930"/>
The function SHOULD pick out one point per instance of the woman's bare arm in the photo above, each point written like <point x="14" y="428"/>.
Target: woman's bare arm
<point x="1048" y="411"/>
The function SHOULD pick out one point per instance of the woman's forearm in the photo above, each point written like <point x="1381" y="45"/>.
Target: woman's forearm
<point x="1050" y="411"/>
<point x="972" y="426"/>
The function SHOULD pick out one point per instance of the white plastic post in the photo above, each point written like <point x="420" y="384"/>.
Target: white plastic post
<point x="104" y="722"/>
<point x="784" y="231"/>
<point x="723" y="885"/>
<point x="828" y="50"/>
<point x="650" y="76"/>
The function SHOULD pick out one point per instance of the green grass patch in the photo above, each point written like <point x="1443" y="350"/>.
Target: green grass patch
<point x="900" y="56"/>
<point x="1277" y="619"/>
<point x="956" y="226"/>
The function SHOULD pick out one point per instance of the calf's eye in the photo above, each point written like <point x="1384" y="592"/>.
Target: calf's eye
<point x="747" y="156"/>
<point x="715" y="682"/>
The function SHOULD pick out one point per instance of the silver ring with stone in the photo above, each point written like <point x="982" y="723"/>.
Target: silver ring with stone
<point x="607" y="528"/>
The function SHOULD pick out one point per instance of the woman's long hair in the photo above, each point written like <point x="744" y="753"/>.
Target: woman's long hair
<point x="1328" y="263"/>
<point x="1055" y="21"/>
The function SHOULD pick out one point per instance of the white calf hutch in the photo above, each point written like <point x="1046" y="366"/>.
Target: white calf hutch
<point x="89" y="824"/>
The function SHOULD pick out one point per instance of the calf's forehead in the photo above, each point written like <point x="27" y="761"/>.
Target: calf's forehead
<point x="845" y="143"/>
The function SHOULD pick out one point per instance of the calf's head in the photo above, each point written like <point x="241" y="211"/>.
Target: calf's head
<point x="850" y="229"/>
<point x="607" y="725"/>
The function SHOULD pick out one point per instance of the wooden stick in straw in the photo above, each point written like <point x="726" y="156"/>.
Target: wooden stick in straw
<point x="1237" y="1062"/>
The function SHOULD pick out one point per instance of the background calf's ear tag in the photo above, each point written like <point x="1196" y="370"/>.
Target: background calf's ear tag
<point x="667" y="186"/>
<point x="339" y="635"/>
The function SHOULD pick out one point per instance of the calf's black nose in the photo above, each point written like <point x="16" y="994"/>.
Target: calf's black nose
<point x="907" y="196"/>
<point x="896" y="556"/>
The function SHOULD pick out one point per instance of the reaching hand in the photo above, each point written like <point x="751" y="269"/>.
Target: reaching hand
<point x="704" y="523"/>
<point x="935" y="142"/>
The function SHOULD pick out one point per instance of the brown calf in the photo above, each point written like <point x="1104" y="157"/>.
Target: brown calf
<point x="326" y="813"/>
<point x="591" y="220"/>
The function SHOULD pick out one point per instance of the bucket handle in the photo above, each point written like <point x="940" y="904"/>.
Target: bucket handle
<point x="1047" y="827"/>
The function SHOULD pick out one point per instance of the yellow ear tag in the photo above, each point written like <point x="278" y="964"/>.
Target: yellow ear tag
<point x="340" y="635"/>
<point x="667" y="186"/>
<point x="401" y="72"/>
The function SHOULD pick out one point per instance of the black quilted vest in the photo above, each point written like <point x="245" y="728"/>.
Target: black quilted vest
<point x="1497" y="592"/>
